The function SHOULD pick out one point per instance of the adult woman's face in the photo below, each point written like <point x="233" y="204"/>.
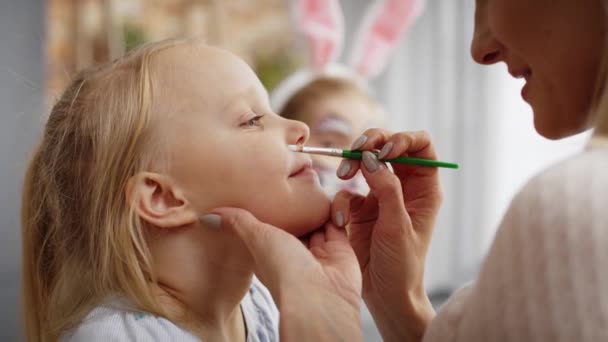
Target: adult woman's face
<point x="555" y="45"/>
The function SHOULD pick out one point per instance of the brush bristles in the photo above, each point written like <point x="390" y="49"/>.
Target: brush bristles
<point x="295" y="148"/>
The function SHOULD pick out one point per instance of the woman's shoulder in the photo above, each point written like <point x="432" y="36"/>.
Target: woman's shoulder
<point x="543" y="277"/>
<point x="114" y="320"/>
<point x="575" y="184"/>
<point x="561" y="210"/>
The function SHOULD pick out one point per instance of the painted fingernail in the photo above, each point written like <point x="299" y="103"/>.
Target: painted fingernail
<point x="339" y="219"/>
<point x="359" y="142"/>
<point x="344" y="168"/>
<point x="370" y="161"/>
<point x="212" y="221"/>
<point x="386" y="149"/>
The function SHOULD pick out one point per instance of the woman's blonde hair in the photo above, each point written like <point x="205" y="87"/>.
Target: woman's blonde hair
<point x="82" y="241"/>
<point x="599" y="109"/>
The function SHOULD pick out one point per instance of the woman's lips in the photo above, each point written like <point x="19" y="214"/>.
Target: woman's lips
<point x="526" y="74"/>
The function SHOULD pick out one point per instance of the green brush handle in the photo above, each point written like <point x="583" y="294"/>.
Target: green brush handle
<point x="402" y="160"/>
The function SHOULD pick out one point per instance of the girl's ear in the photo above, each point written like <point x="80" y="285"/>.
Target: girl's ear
<point x="158" y="201"/>
<point x="321" y="22"/>
<point x="384" y="23"/>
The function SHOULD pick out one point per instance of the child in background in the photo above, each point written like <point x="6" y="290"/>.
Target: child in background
<point x="335" y="100"/>
<point x="133" y="154"/>
<point x="337" y="111"/>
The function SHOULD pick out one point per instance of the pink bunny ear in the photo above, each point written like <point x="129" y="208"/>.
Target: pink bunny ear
<point x="322" y="23"/>
<point x="384" y="24"/>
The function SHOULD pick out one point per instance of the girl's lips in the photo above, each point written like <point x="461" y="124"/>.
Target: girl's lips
<point x="302" y="168"/>
<point x="306" y="171"/>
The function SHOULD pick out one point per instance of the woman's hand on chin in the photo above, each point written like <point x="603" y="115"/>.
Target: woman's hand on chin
<point x="316" y="284"/>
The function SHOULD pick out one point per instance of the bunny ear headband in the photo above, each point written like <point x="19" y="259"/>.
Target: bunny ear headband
<point x="321" y="23"/>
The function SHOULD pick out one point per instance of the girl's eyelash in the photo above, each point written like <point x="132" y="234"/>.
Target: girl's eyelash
<point x="253" y="122"/>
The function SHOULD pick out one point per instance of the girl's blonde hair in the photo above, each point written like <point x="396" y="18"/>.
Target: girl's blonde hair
<point x="82" y="241"/>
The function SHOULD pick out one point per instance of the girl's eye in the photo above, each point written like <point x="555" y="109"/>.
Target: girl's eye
<point x="253" y="122"/>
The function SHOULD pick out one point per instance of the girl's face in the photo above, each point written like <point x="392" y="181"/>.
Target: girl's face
<point x="227" y="148"/>
<point x="555" y="45"/>
<point x="336" y="121"/>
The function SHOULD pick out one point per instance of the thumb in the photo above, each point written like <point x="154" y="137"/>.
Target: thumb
<point x="387" y="189"/>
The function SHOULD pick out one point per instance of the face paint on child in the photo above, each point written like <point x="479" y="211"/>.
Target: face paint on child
<point x="333" y="124"/>
<point x="338" y="111"/>
<point x="337" y="132"/>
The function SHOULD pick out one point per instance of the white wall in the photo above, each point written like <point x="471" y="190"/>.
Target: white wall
<point x="432" y="84"/>
<point x="21" y="75"/>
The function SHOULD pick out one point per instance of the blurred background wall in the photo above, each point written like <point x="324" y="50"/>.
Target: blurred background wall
<point x="475" y="113"/>
<point x="21" y="88"/>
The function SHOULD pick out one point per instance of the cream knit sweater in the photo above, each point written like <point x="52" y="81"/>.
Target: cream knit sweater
<point x="546" y="275"/>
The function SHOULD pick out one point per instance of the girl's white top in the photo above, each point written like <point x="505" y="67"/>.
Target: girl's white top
<point x="546" y="275"/>
<point x="114" y="321"/>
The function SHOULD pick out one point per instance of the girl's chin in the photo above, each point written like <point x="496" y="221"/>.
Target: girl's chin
<point x="298" y="218"/>
<point x="315" y="220"/>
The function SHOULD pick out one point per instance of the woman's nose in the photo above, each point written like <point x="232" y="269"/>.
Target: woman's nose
<point x="485" y="49"/>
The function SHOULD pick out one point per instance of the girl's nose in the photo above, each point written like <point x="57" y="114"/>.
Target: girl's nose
<point x="298" y="132"/>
